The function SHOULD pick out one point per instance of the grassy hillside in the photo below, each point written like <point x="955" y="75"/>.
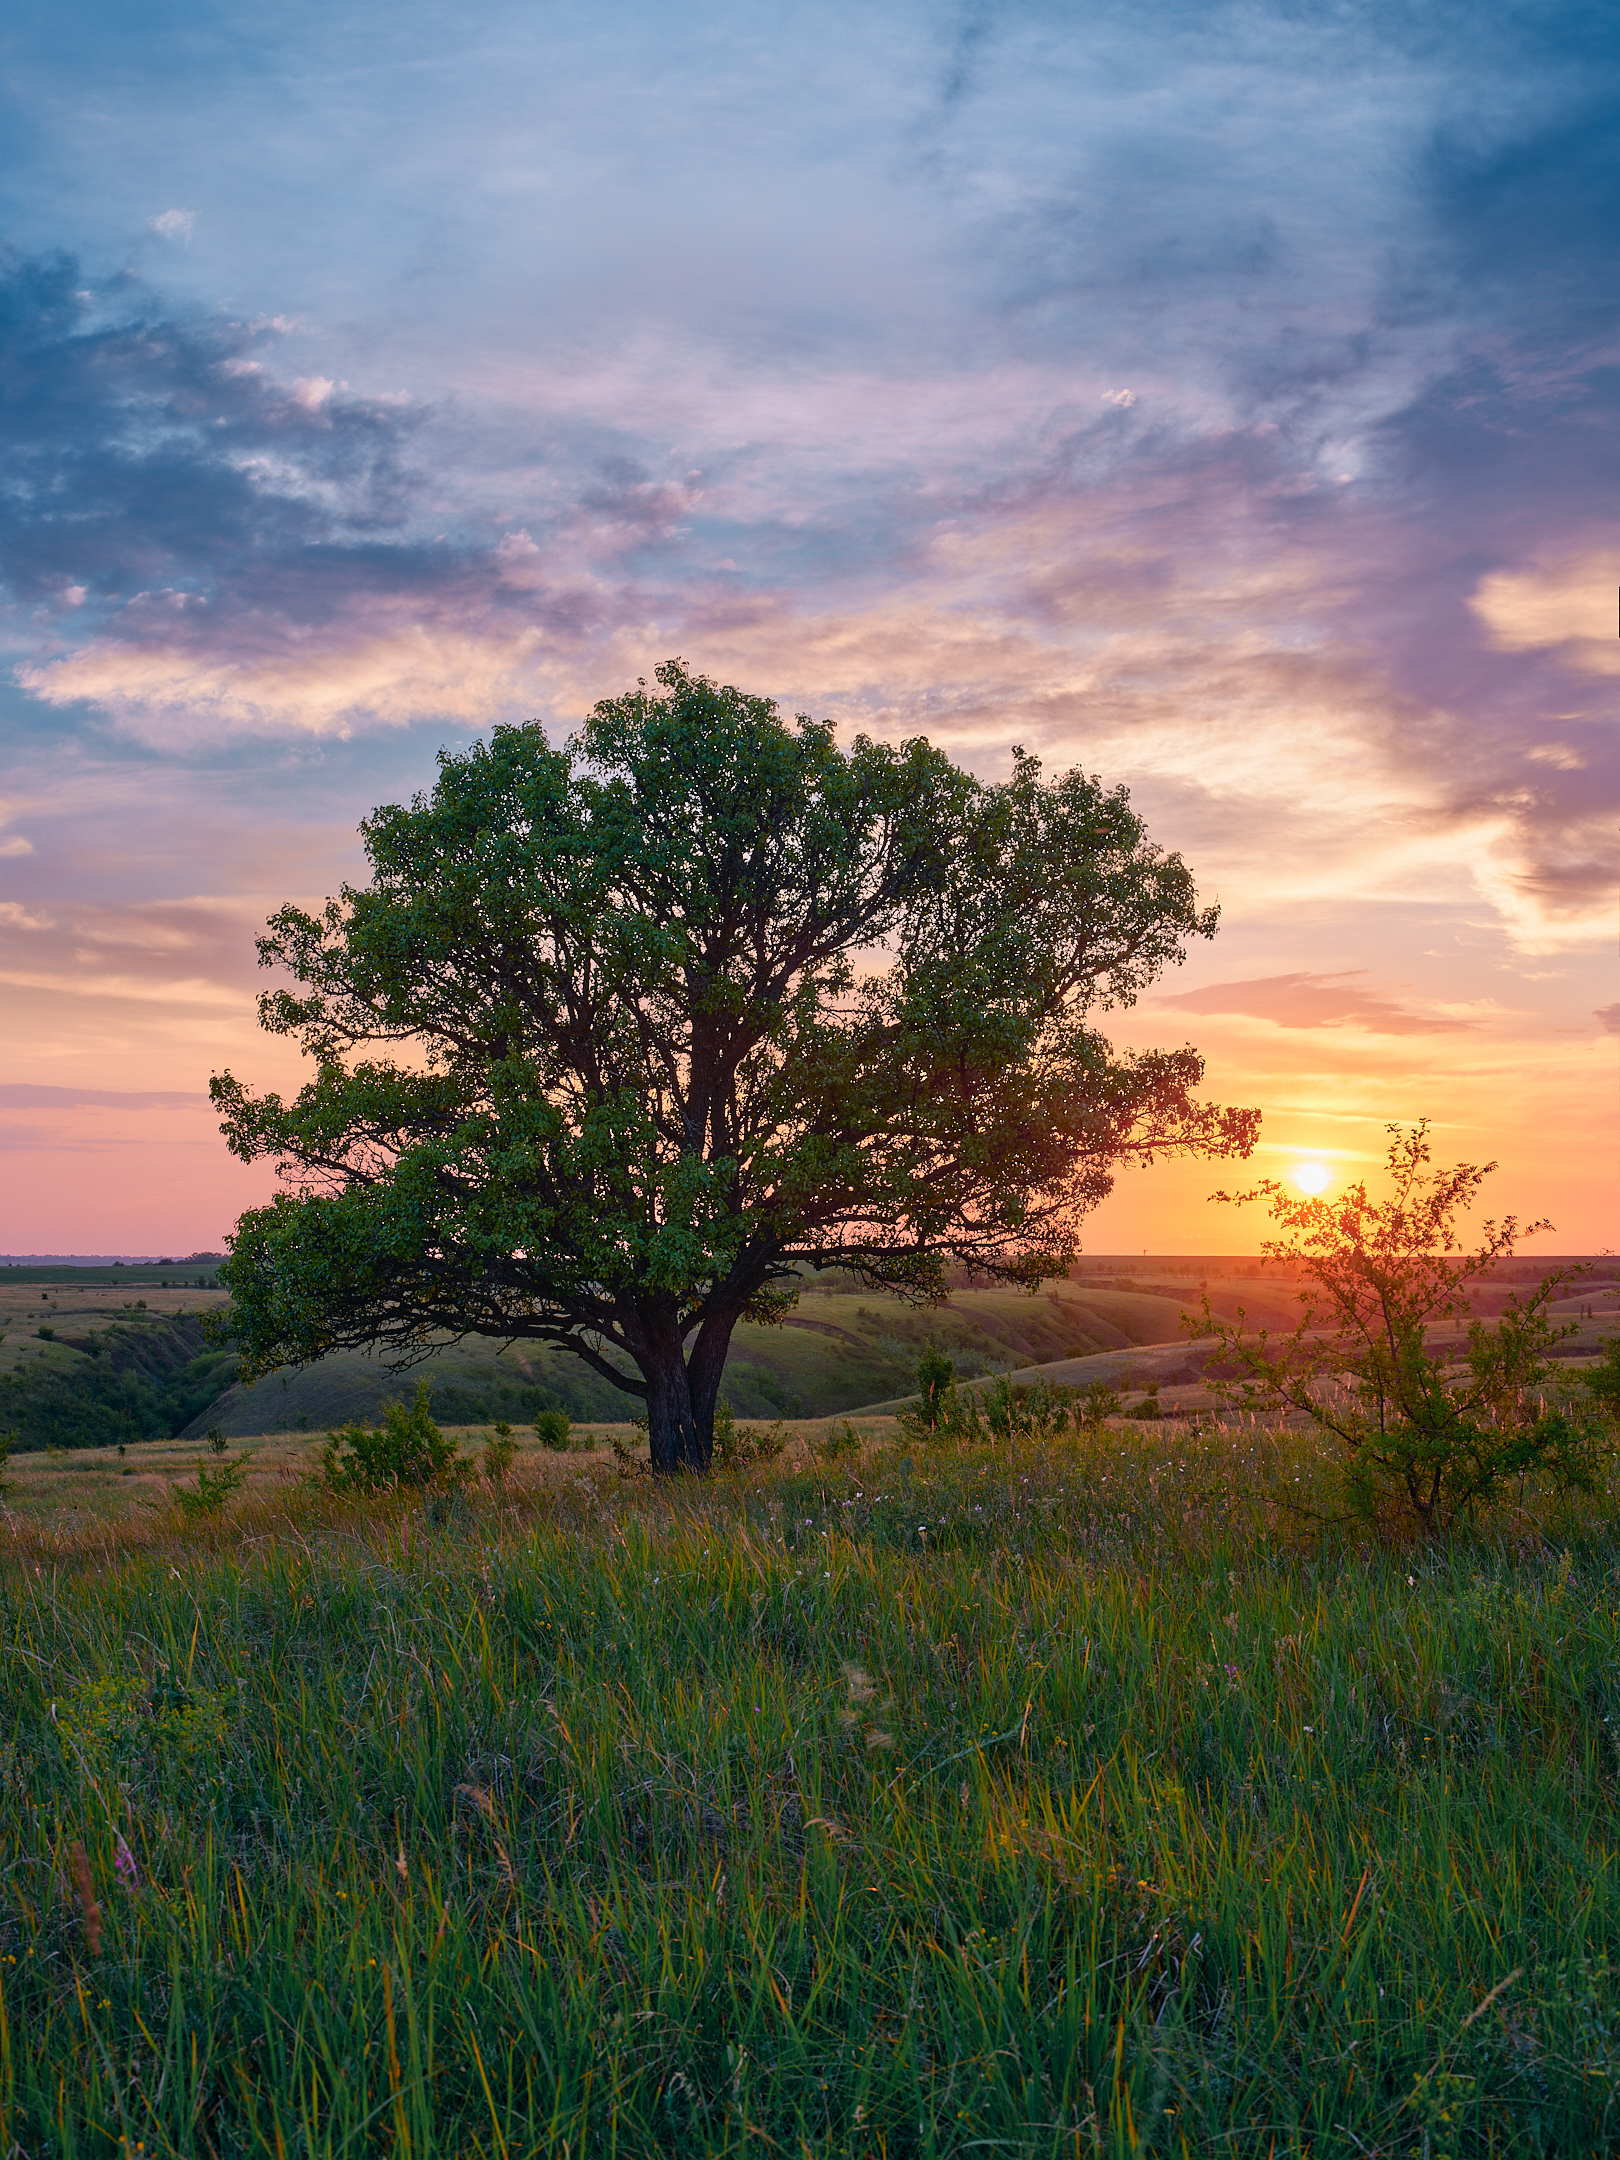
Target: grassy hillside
<point x="82" y="1366"/>
<point x="121" y="1368"/>
<point x="841" y="1349"/>
<point x="1074" y="1801"/>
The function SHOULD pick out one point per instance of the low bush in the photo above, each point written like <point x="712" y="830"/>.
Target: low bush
<point x="945" y="1416"/>
<point x="736" y="1446"/>
<point x="551" y="1429"/>
<point x="212" y="1489"/>
<point x="840" y="1443"/>
<point x="1427" y="1432"/>
<point x="407" y="1449"/>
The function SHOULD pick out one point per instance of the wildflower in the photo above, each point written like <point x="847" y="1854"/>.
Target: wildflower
<point x="1231" y="1672"/>
<point x="124" y="1863"/>
<point x="87" y="1900"/>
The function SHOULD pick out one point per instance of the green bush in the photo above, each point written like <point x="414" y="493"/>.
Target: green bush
<point x="1097" y="1405"/>
<point x="1005" y="1412"/>
<point x="212" y="1490"/>
<point x="500" y="1450"/>
<point x="551" y="1430"/>
<point x="737" y="1445"/>
<point x="1425" y="1440"/>
<point x="1036" y="1412"/>
<point x="841" y="1441"/>
<point x="407" y="1449"/>
<point x="1603" y="1383"/>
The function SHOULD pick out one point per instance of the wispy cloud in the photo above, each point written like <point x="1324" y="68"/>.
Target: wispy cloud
<point x="20" y="1095"/>
<point x="1315" y="1001"/>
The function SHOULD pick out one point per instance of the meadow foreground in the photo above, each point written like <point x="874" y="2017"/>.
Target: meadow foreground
<point x="1081" y="1799"/>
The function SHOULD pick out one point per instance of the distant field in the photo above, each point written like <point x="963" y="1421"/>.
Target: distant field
<point x="82" y="1490"/>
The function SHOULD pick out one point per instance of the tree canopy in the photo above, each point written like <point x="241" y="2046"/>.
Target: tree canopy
<point x="622" y="1037"/>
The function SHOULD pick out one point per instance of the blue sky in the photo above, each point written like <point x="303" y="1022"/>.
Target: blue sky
<point x="1222" y="398"/>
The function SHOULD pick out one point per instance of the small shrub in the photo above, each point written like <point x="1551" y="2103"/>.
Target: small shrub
<point x="941" y="1417"/>
<point x="500" y="1451"/>
<point x="936" y="1386"/>
<point x="1421" y="1445"/>
<point x="551" y="1430"/>
<point x="840" y="1441"/>
<point x="215" y="1437"/>
<point x="735" y="1446"/>
<point x="1037" y="1412"/>
<point x="1149" y="1409"/>
<point x="1004" y="1412"/>
<point x="1603" y="1382"/>
<point x="407" y="1449"/>
<point x="213" y="1489"/>
<point x="1097" y="1405"/>
<point x="46" y="1334"/>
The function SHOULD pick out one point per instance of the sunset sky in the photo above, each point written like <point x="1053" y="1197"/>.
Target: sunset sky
<point x="1220" y="397"/>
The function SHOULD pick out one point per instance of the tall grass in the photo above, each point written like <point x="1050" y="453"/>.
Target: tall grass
<point x="1065" y="1801"/>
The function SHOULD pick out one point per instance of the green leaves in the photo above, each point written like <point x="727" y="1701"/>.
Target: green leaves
<point x="407" y="1449"/>
<point x="621" y="1037"/>
<point x="1431" y="1430"/>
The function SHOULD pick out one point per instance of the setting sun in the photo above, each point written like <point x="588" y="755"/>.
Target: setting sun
<point x="1312" y="1176"/>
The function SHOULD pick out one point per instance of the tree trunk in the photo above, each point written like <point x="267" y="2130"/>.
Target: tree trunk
<point x="682" y="1394"/>
<point x="703" y="1373"/>
<point x="672" y="1434"/>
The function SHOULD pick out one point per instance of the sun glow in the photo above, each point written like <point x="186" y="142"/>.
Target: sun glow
<point x="1312" y="1176"/>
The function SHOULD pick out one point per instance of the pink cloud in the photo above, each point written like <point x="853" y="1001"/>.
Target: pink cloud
<point x="1314" y="1001"/>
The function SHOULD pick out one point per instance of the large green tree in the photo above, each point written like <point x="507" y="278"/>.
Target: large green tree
<point x="621" y="1038"/>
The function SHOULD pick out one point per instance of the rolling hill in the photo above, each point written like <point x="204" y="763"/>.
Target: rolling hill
<point x="83" y="1363"/>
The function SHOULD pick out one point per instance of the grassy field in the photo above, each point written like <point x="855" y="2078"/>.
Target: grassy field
<point x="1065" y="1801"/>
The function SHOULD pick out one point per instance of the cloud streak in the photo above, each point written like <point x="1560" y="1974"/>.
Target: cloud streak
<point x="1315" y="1001"/>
